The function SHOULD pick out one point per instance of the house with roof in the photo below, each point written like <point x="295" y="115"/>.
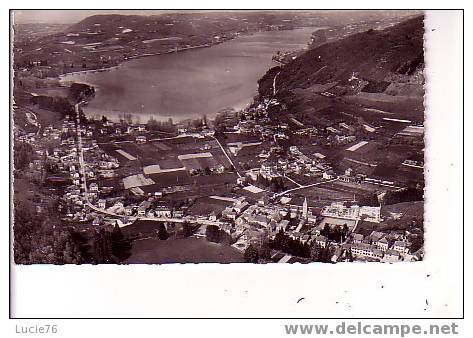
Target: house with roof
<point x="415" y="256"/>
<point x="212" y="216"/>
<point x="401" y="247"/>
<point x="102" y="203"/>
<point x="282" y="225"/>
<point x="321" y="241"/>
<point x="382" y="244"/>
<point x="378" y="253"/>
<point x="375" y="236"/>
<point x="362" y="249"/>
<point x="328" y="175"/>
<point x="337" y="254"/>
<point x="358" y="238"/>
<point x="178" y="213"/>
<point x="229" y="213"/>
<point x="392" y="256"/>
<point x="92" y="195"/>
<point x="141" y="139"/>
<point x="163" y="211"/>
<point x="240" y="207"/>
<point x="305" y="238"/>
<point x="311" y="218"/>
<point x="261" y="220"/>
<point x="141" y="211"/>
<point x="143" y="207"/>
<point x="128" y="210"/>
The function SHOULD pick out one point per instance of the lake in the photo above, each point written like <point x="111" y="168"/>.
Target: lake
<point x="189" y="83"/>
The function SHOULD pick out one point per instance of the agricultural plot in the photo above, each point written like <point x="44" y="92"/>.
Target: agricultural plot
<point x="168" y="179"/>
<point x="206" y="205"/>
<point x="366" y="228"/>
<point x="323" y="194"/>
<point x="402" y="107"/>
<point x="186" y="250"/>
<point x="126" y="155"/>
<point x="363" y="148"/>
<point x="136" y="181"/>
<point x="357" y="146"/>
<point x="162" y="146"/>
<point x="236" y="137"/>
<point x="220" y="158"/>
<point x="156" y="169"/>
<point x="169" y="163"/>
<point x="131" y="148"/>
<point x="358" y="167"/>
<point x="198" y="161"/>
<point x="402" y="213"/>
<point x="221" y="179"/>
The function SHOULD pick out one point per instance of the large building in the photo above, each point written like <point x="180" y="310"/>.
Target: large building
<point x="354" y="212"/>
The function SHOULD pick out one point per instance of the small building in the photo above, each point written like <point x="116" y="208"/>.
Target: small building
<point x="362" y="249"/>
<point x="328" y="175"/>
<point x="163" y="211"/>
<point x="392" y="256"/>
<point x="240" y="207"/>
<point x="321" y="241"/>
<point x="282" y="225"/>
<point x="212" y="216"/>
<point x="178" y="213"/>
<point x="102" y="203"/>
<point x="141" y="210"/>
<point x="261" y="220"/>
<point x="128" y="210"/>
<point x="382" y="244"/>
<point x="358" y="238"/>
<point x="141" y="139"/>
<point x="401" y="247"/>
<point x="143" y="207"/>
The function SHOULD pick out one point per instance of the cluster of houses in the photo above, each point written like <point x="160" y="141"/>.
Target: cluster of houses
<point x="150" y="208"/>
<point x="249" y="222"/>
<point x="386" y="247"/>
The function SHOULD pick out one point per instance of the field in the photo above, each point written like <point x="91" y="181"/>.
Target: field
<point x="321" y="194"/>
<point x="205" y="205"/>
<point x="187" y="250"/>
<point x="157" y="159"/>
<point x="167" y="179"/>
<point x="136" y="181"/>
<point x="126" y="155"/>
<point x="197" y="161"/>
<point x="357" y="146"/>
<point x="169" y="163"/>
<point x="402" y="213"/>
<point x="403" y="107"/>
<point x="46" y="117"/>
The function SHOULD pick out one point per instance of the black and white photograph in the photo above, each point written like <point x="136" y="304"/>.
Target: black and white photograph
<point x="291" y="164"/>
<point x="227" y="137"/>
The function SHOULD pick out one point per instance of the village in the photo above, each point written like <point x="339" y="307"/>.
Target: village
<point x="240" y="175"/>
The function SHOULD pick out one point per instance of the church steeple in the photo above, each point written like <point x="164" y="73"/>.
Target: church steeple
<point x="305" y="209"/>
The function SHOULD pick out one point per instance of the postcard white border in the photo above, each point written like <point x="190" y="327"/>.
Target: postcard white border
<point x="432" y="288"/>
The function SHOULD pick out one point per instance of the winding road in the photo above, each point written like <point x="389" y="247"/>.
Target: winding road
<point x="303" y="187"/>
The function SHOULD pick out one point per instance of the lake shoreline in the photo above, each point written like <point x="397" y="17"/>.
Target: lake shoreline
<point x="203" y="83"/>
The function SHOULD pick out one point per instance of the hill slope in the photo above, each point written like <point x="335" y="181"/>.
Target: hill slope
<point x="383" y="61"/>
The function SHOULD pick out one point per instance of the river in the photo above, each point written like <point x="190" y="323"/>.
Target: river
<point x="189" y="83"/>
